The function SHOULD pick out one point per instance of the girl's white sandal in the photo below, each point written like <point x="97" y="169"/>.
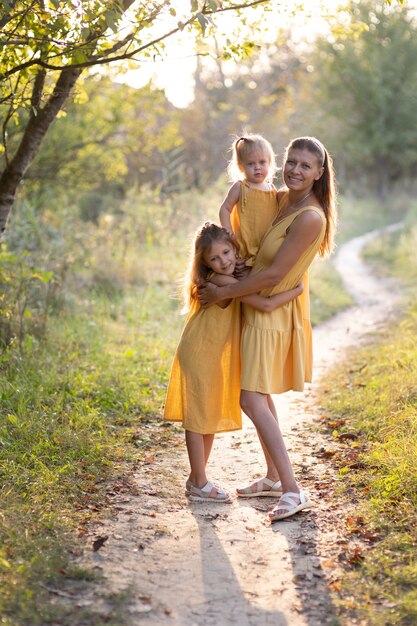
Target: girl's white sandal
<point x="204" y="494"/>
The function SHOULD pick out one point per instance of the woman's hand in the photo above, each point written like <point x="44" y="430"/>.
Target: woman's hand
<point x="207" y="294"/>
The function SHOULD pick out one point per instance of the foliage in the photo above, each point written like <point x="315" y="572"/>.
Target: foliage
<point x="46" y="47"/>
<point x="119" y="138"/>
<point x="394" y="253"/>
<point x="369" y="79"/>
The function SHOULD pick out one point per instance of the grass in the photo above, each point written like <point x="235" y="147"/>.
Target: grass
<point x="327" y="295"/>
<point x="73" y="415"/>
<point x="373" y="395"/>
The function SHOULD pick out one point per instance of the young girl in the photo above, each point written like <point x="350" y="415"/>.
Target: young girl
<point x="251" y="202"/>
<point x="204" y="387"/>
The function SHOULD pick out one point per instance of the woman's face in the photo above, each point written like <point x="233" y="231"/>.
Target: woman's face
<point x="221" y="258"/>
<point x="301" y="170"/>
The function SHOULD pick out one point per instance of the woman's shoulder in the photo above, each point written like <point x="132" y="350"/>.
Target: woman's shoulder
<point x="310" y="217"/>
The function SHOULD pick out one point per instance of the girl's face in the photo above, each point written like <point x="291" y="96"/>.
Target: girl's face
<point x="301" y="170"/>
<point x="255" y="167"/>
<point x="221" y="258"/>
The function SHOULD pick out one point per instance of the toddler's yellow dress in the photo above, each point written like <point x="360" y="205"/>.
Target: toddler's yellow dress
<point x="251" y="218"/>
<point x="204" y="387"/>
<point x="276" y="348"/>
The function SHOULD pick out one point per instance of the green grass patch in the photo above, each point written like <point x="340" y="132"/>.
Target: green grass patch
<point x="327" y="294"/>
<point x="75" y="409"/>
<point x="373" y="397"/>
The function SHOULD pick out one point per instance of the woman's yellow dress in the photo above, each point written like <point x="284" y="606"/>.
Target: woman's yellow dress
<point x="204" y="387"/>
<point x="276" y="348"/>
<point x="251" y="218"/>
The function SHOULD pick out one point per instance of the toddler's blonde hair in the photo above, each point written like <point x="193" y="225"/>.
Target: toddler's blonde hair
<point x="245" y="145"/>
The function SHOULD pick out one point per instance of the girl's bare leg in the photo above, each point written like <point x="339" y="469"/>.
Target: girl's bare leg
<point x="198" y="448"/>
<point x="258" y="408"/>
<point x="208" y="444"/>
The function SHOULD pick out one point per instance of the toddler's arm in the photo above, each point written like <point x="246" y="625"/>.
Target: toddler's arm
<point x="228" y="203"/>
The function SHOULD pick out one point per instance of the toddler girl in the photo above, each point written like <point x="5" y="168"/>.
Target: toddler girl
<point x="251" y="202"/>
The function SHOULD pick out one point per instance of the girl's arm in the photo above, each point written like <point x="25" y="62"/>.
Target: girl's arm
<point x="226" y="208"/>
<point x="270" y="303"/>
<point x="302" y="232"/>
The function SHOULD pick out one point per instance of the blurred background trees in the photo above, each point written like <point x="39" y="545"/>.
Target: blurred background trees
<point x="121" y="170"/>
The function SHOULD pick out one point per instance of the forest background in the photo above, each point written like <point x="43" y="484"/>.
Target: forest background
<point x="101" y="213"/>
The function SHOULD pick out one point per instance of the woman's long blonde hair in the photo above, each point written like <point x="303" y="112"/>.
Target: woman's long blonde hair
<point x="198" y="271"/>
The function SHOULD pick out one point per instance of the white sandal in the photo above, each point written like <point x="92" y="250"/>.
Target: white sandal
<point x="205" y="494"/>
<point x="289" y="506"/>
<point x="274" y="491"/>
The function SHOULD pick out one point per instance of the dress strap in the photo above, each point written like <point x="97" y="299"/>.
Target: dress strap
<point x="244" y="192"/>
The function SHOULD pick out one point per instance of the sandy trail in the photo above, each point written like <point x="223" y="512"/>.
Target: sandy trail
<point x="190" y="564"/>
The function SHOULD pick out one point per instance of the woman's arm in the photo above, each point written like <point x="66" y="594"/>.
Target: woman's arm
<point x="226" y="208"/>
<point x="261" y="303"/>
<point x="268" y="304"/>
<point x="304" y="229"/>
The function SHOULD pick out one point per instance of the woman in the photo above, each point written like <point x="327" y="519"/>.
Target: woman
<point x="276" y="347"/>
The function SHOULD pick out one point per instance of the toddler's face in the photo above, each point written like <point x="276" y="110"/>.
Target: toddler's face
<point x="221" y="258"/>
<point x="256" y="166"/>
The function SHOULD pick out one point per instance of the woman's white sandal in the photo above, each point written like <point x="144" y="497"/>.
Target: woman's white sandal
<point x="274" y="491"/>
<point x="286" y="503"/>
<point x="204" y="494"/>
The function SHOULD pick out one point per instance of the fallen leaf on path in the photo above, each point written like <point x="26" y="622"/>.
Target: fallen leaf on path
<point x="99" y="542"/>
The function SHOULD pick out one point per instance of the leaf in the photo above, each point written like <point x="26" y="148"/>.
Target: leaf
<point x="202" y="20"/>
<point x="111" y="20"/>
<point x="99" y="542"/>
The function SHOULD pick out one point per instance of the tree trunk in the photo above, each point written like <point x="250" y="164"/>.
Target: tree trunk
<point x="36" y="129"/>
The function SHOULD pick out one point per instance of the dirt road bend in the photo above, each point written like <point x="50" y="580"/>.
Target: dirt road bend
<point x="191" y="564"/>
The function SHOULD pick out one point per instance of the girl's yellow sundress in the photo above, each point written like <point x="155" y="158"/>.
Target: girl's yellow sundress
<point x="251" y="218"/>
<point x="276" y="348"/>
<point x="204" y="387"/>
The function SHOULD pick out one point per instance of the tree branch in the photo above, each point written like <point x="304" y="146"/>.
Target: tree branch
<point x="104" y="58"/>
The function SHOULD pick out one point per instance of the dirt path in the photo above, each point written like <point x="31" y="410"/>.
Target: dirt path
<point x="201" y="565"/>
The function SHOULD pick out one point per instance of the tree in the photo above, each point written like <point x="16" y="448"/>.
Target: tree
<point x="367" y="83"/>
<point x="47" y="44"/>
<point x="113" y="138"/>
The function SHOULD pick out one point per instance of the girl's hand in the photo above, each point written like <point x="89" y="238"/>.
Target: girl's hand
<point x="207" y="294"/>
<point x="299" y="288"/>
<point x="241" y="270"/>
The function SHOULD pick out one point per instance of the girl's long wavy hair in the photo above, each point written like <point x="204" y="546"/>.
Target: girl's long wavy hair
<point x="244" y="146"/>
<point x="198" y="271"/>
<point x="324" y="188"/>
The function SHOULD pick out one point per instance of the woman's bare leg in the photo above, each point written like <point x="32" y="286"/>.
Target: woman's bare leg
<point x="271" y="472"/>
<point x="258" y="408"/>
